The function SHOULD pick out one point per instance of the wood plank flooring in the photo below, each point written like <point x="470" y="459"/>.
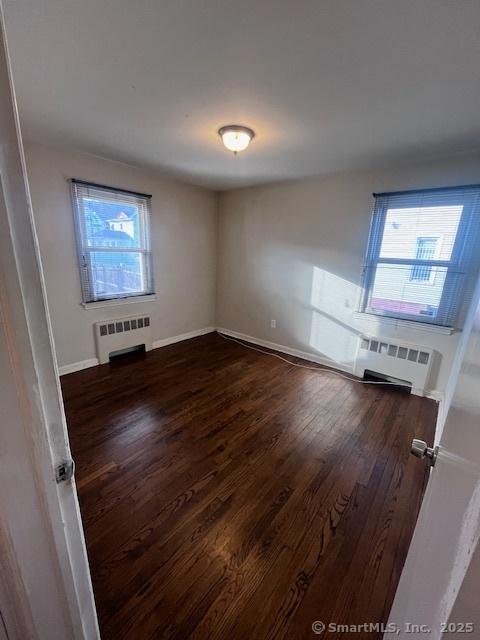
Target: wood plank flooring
<point x="226" y="494"/>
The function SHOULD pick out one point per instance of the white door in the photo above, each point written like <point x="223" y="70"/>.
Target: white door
<point x="439" y="590"/>
<point x="45" y="588"/>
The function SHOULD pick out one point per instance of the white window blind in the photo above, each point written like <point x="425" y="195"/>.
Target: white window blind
<point x="113" y="239"/>
<point x="423" y="256"/>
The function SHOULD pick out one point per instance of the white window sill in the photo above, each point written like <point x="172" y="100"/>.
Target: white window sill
<point x="410" y="324"/>
<point x="117" y="302"/>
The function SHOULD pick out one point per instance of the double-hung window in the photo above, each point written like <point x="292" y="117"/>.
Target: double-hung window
<point x="113" y="239"/>
<point x="423" y="255"/>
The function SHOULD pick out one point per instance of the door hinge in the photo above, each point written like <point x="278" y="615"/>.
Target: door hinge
<point x="65" y="471"/>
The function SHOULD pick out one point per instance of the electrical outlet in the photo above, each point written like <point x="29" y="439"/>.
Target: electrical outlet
<point x="273" y="324"/>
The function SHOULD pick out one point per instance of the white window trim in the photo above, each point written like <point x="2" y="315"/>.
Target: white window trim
<point x="410" y="324"/>
<point x="117" y="302"/>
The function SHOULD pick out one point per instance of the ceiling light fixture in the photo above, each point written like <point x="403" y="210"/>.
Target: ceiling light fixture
<point x="235" y="137"/>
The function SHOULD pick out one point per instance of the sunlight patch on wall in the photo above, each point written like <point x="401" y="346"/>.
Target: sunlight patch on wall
<point x="333" y="300"/>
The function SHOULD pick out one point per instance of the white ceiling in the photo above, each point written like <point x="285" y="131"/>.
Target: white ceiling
<point x="327" y="85"/>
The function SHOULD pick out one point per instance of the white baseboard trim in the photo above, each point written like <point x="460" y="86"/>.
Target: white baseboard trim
<point x="77" y="366"/>
<point x="183" y="336"/>
<point x="305" y="355"/>
<point x="433" y="394"/>
<point x="436" y="395"/>
<point x="93" y="362"/>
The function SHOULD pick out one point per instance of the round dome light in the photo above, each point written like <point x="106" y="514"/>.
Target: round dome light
<point x="235" y="137"/>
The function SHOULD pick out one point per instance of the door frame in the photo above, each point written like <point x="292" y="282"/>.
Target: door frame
<point x="45" y="584"/>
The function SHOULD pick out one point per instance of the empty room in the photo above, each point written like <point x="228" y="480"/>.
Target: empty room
<point x="240" y="319"/>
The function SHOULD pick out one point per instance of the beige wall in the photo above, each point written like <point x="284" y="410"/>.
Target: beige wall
<point x="183" y="242"/>
<point x="290" y="251"/>
<point x="293" y="252"/>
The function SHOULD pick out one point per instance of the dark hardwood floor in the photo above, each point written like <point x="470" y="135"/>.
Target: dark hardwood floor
<point x="226" y="494"/>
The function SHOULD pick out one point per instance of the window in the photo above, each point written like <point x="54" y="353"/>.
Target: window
<point x="426" y="250"/>
<point x="421" y="261"/>
<point x="113" y="238"/>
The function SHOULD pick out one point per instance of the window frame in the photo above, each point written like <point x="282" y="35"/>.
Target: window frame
<point x="462" y="260"/>
<point x="84" y="252"/>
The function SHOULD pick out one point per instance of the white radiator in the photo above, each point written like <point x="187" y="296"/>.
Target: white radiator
<point x="400" y="360"/>
<point x="122" y="333"/>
